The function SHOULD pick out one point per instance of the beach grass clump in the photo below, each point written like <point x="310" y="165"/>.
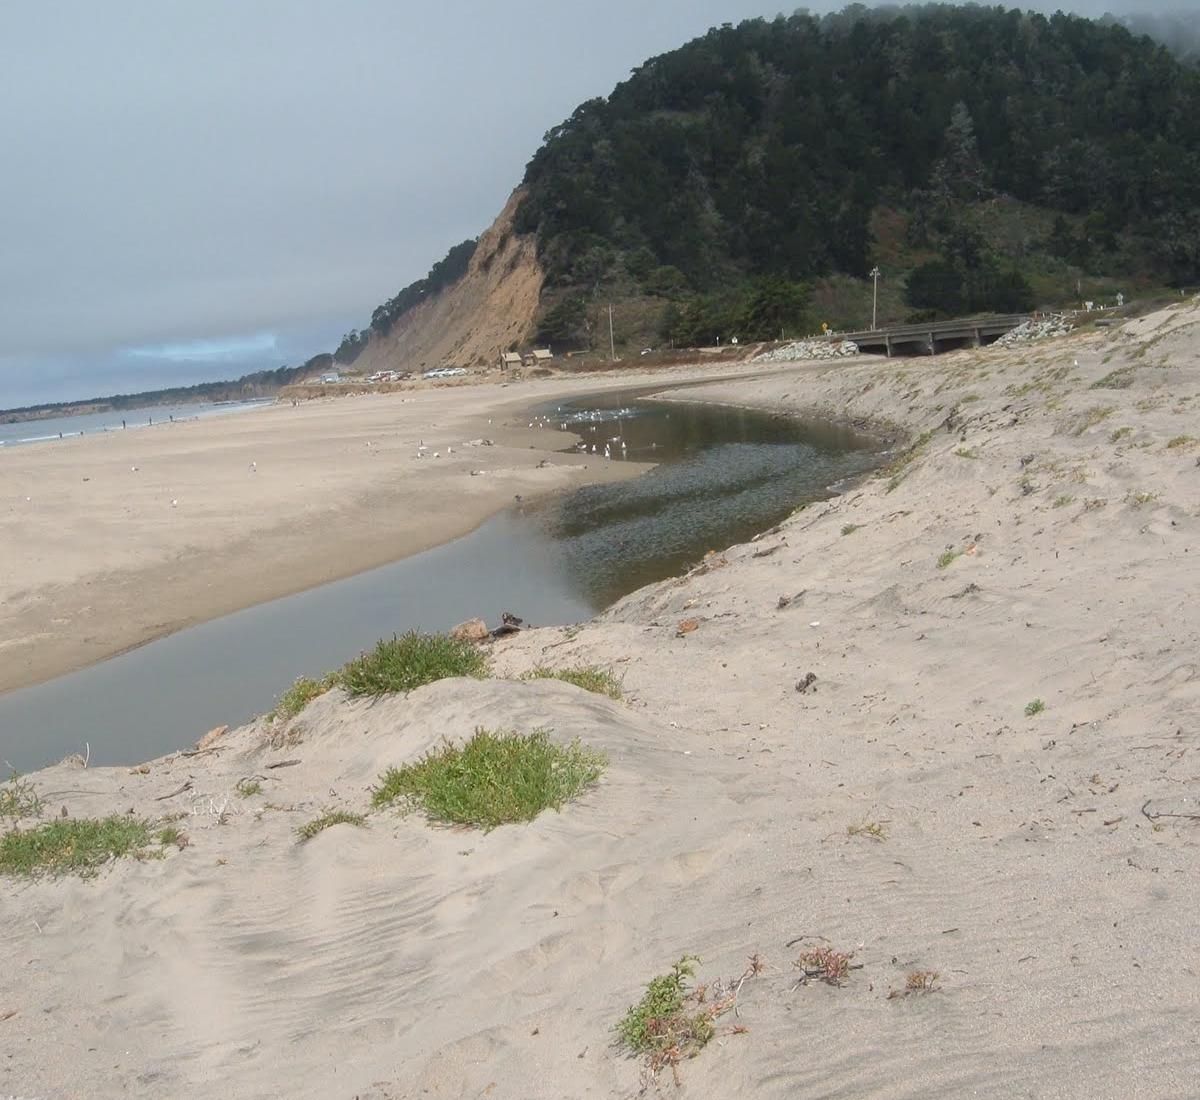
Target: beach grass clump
<point x="850" y="528"/>
<point x="1181" y="441"/>
<point x="411" y="661"/>
<point x="248" y="788"/>
<point x="300" y="694"/>
<point x="917" y="982"/>
<point x="494" y="778"/>
<point x="1035" y="706"/>
<point x="897" y="470"/>
<point x="921" y="981"/>
<point x="1140" y="498"/>
<point x="825" y="964"/>
<point x="72" y="845"/>
<point x="327" y="820"/>
<point x="19" y="799"/>
<point x="876" y="830"/>
<point x="948" y="558"/>
<point x="1089" y="418"/>
<point x="591" y="678"/>
<point x="1062" y="500"/>
<point x="1119" y="379"/>
<point x="1120" y="433"/>
<point x="672" y="1022"/>
<point x="171" y="834"/>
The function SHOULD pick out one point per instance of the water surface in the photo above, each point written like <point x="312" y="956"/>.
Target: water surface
<point x="63" y="427"/>
<point x="723" y="475"/>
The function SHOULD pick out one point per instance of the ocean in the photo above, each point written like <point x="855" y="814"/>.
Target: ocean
<point x="63" y="427"/>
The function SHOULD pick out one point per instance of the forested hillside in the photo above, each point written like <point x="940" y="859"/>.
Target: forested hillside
<point x="731" y="173"/>
<point x="748" y="182"/>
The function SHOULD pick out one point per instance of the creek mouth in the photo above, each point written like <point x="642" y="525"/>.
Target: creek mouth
<point x="722" y="475"/>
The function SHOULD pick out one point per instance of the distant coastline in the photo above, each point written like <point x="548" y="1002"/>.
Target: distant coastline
<point x="97" y="418"/>
<point x="259" y="385"/>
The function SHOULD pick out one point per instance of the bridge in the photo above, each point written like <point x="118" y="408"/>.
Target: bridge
<point x="934" y="336"/>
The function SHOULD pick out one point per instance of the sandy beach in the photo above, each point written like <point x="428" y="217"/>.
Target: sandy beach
<point x="110" y="541"/>
<point x="841" y="749"/>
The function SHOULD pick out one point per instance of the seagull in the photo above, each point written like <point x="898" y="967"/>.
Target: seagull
<point x="133" y="469"/>
<point x="174" y="503"/>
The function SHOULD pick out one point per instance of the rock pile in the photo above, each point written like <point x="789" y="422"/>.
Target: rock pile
<point x="809" y="349"/>
<point x="1057" y="325"/>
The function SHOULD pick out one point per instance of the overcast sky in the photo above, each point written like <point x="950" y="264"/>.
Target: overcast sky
<point x="191" y="189"/>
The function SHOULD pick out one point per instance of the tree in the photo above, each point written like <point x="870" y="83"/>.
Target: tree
<point x="1003" y="292"/>
<point x="937" y="285"/>
<point x="565" y="323"/>
<point x="963" y="164"/>
<point x="1061" y="242"/>
<point x="772" y="305"/>
<point x="665" y="282"/>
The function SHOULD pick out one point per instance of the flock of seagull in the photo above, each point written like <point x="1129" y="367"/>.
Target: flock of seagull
<point x="594" y="417"/>
<point x="613" y="446"/>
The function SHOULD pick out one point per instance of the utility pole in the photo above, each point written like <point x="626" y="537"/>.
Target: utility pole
<point x="612" y="344"/>
<point x="875" y="273"/>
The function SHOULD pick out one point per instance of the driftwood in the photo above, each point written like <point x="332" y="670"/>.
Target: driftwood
<point x="1164" y="813"/>
<point x="186" y="787"/>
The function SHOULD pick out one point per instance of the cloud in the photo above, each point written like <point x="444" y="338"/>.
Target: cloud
<point x="177" y="172"/>
<point x="225" y="350"/>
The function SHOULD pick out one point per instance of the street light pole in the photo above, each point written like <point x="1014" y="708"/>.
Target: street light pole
<point x="875" y="273"/>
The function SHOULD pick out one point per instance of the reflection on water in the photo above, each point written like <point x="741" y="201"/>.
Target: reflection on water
<point x="724" y="475"/>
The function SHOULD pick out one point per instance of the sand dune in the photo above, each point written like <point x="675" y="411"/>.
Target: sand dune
<point x="1031" y="549"/>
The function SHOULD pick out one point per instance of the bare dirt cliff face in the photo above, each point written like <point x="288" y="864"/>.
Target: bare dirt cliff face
<point x="489" y="310"/>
